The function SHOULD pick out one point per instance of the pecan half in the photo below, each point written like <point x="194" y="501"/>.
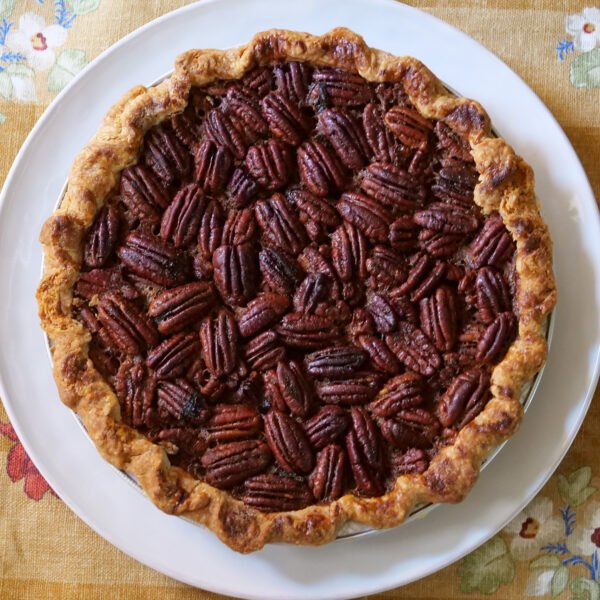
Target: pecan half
<point x="288" y="442"/>
<point x="142" y="194"/>
<point x="166" y="155"/>
<point x="270" y="164"/>
<point x="386" y="268"/>
<point x="414" y="349"/>
<point x="327" y="426"/>
<point x="135" y="391"/>
<point x="464" y="399"/>
<point x="259" y="81"/>
<point x="446" y="218"/>
<point x="99" y="281"/>
<point x="440" y="245"/>
<point x="279" y="270"/>
<point x="242" y="188"/>
<point x="415" y="428"/>
<point x="339" y="88"/>
<point x="210" y="230"/>
<point x="358" y="389"/>
<point x="365" y="453"/>
<point x="218" y="337"/>
<point x="300" y="330"/>
<point x="453" y="143"/>
<point x="180" y="439"/>
<point x="493" y="296"/>
<point x="493" y="245"/>
<point x="242" y="106"/>
<point x="380" y="138"/>
<point x="235" y="272"/>
<point x="187" y="128"/>
<point x="383" y="314"/>
<point x="368" y="215"/>
<point x="182" y="401"/>
<point x="403" y="307"/>
<point x="275" y="493"/>
<point x="262" y="312"/>
<point x="231" y="422"/>
<point x="423" y="277"/>
<point x="496" y="338"/>
<point x="228" y="465"/>
<point x="320" y="210"/>
<point x="294" y="388"/>
<point x="171" y="357"/>
<point x="413" y="462"/>
<point x="178" y="308"/>
<point x="212" y="165"/>
<point x="280" y="225"/>
<point x="153" y="259"/>
<point x="404" y="234"/>
<point x="335" y="362"/>
<point x="319" y="167"/>
<point x="380" y="355"/>
<point x="312" y="291"/>
<point x="439" y="318"/>
<point x="394" y="187"/>
<point x="400" y="393"/>
<point x="292" y="79"/>
<point x="101" y="237"/>
<point x="327" y="479"/>
<point x="128" y="327"/>
<point x="286" y="119"/>
<point x="181" y="220"/>
<point x="455" y="182"/>
<point x="264" y="351"/>
<point x="239" y="227"/>
<point x="408" y="125"/>
<point x="219" y="127"/>
<point x="349" y="252"/>
<point x="346" y="135"/>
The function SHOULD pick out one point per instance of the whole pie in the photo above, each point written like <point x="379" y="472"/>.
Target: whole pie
<point x="298" y="283"/>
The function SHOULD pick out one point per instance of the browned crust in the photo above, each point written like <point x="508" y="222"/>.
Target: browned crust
<point x="506" y="185"/>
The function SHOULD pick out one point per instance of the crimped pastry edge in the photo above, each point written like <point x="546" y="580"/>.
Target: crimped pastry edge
<point x="506" y="185"/>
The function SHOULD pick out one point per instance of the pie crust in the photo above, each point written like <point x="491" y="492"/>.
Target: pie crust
<point x="506" y="185"/>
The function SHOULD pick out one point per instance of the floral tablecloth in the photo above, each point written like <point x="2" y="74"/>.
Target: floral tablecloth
<point x="549" y="550"/>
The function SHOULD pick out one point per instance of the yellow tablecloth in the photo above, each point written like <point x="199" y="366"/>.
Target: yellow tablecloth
<point x="47" y="552"/>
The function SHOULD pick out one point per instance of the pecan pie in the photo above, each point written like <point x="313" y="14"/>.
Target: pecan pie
<point x="297" y="283"/>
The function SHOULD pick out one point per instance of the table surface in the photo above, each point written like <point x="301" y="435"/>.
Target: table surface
<point x="47" y="552"/>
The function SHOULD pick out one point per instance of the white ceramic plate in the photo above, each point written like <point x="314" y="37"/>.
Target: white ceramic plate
<point x="351" y="567"/>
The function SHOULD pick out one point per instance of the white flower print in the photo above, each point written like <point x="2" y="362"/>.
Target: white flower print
<point x="36" y="40"/>
<point x="23" y="88"/>
<point x="586" y="537"/>
<point x="585" y="27"/>
<point x="538" y="583"/>
<point x="533" y="528"/>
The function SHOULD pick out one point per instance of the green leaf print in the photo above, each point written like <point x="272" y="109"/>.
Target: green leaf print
<point x="585" y="588"/>
<point x="585" y="70"/>
<point x="6" y="87"/>
<point x="67" y="65"/>
<point x="82" y="7"/>
<point x="2" y="118"/>
<point x="575" y="488"/>
<point x="559" y="580"/>
<point x="6" y="7"/>
<point x="20" y="70"/>
<point x="486" y="568"/>
<point x="545" y="562"/>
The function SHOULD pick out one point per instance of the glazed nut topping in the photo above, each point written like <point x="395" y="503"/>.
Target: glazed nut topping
<point x="293" y="291"/>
